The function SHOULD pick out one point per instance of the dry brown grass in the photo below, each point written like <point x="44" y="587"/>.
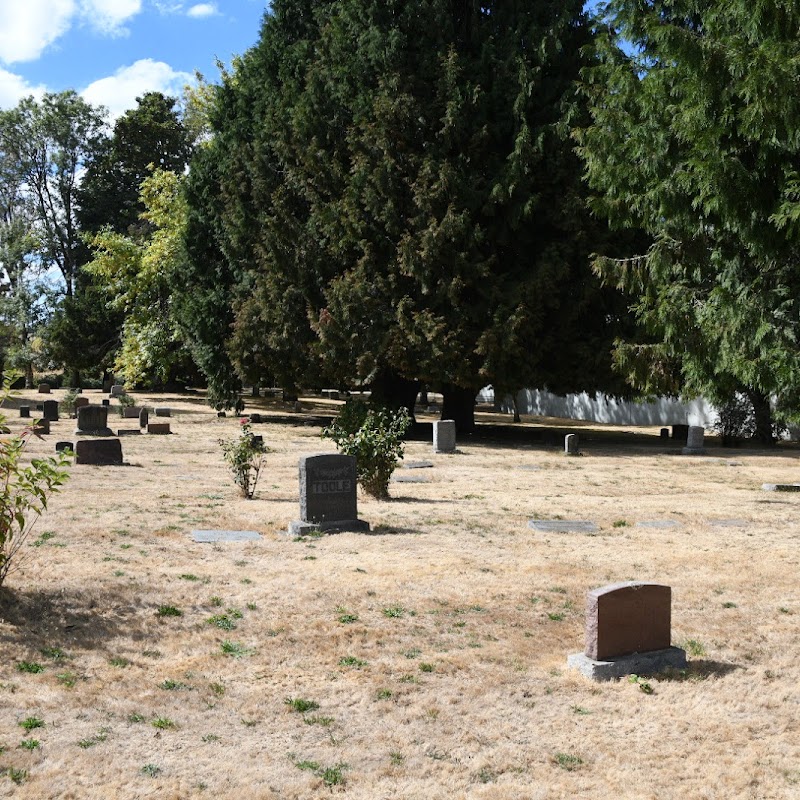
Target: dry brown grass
<point x="464" y="693"/>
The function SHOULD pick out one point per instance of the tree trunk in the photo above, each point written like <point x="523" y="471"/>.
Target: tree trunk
<point x="394" y="391"/>
<point x="256" y="390"/>
<point x="517" y="417"/>
<point x="75" y="379"/>
<point x="29" y="376"/>
<point x="762" y="411"/>
<point x="459" y="405"/>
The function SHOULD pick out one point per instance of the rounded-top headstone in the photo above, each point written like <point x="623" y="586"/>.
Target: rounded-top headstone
<point x="44" y="388"/>
<point x="50" y="410"/>
<point x="61" y="446"/>
<point x="571" y="445"/>
<point x="144" y="418"/>
<point x="80" y="402"/>
<point x="117" y="390"/>
<point x="665" y="433"/>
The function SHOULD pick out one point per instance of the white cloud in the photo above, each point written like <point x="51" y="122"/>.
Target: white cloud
<point x="118" y="92"/>
<point x="27" y="27"/>
<point x="13" y="88"/>
<point x="108" y="16"/>
<point x="203" y="10"/>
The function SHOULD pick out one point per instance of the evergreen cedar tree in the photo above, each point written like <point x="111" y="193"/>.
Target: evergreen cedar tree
<point x="694" y="137"/>
<point x="392" y="197"/>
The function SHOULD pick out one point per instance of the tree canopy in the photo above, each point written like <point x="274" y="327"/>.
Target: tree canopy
<point x="694" y="138"/>
<point x="391" y="195"/>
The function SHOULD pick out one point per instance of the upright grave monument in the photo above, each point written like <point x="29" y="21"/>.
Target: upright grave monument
<point x="50" y="410"/>
<point x="93" y="421"/>
<point x="694" y="441"/>
<point x="628" y="631"/>
<point x="571" y="445"/>
<point x="444" y="436"/>
<point x="327" y="495"/>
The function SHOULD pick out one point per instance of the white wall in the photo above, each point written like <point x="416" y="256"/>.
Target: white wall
<point x="605" y="409"/>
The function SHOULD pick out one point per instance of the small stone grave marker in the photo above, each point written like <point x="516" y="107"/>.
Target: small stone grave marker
<point x="781" y="487"/>
<point x="204" y="537"/>
<point x="409" y="479"/>
<point x="163" y="412"/>
<point x="628" y="630"/>
<point x="664" y="433"/>
<point x="727" y="523"/>
<point x="158" y="428"/>
<point x="44" y="388"/>
<point x="98" y="452"/>
<point x="106" y="402"/>
<point x="530" y="467"/>
<point x="563" y="525"/>
<point x="50" y="410"/>
<point x="444" y="436"/>
<point x="25" y="411"/>
<point x="255" y="419"/>
<point x="61" y="446"/>
<point x="571" y="445"/>
<point x="42" y="427"/>
<point x="144" y="418"/>
<point x="80" y="402"/>
<point x="417" y="465"/>
<point x="658" y="523"/>
<point x="129" y="432"/>
<point x="131" y="412"/>
<point x="327" y="495"/>
<point x="117" y="390"/>
<point x="93" y="421"/>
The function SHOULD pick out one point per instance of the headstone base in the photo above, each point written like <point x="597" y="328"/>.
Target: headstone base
<point x="635" y="664"/>
<point x="106" y="432"/>
<point x="301" y="528"/>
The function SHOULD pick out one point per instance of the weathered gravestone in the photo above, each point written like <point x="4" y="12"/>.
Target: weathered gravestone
<point x="694" y="441"/>
<point x="44" y="388"/>
<point x="162" y="412"/>
<point x="98" y="452"/>
<point x="131" y="412"/>
<point x="781" y="487"/>
<point x="117" y="390"/>
<point x="444" y="436"/>
<point x="664" y="433"/>
<point x="129" y="432"/>
<point x="50" y="410"/>
<point x="680" y="432"/>
<point x="628" y="631"/>
<point x="158" y="428"/>
<point x="571" y="445"/>
<point x="327" y="495"/>
<point x="62" y="446"/>
<point x="42" y="427"/>
<point x="93" y="421"/>
<point x="25" y="411"/>
<point x="144" y="418"/>
<point x="80" y="402"/>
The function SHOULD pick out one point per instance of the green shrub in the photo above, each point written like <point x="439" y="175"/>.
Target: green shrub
<point x="245" y="457"/>
<point x="125" y="401"/>
<point x="24" y="490"/>
<point x="375" y="437"/>
<point x="68" y="403"/>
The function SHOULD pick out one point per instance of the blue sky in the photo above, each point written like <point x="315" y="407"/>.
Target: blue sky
<point x="111" y="51"/>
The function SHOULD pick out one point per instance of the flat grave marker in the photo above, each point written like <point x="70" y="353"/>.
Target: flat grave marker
<point x="658" y="523"/>
<point x="563" y="525"/>
<point x="208" y="536"/>
<point x="781" y="487"/>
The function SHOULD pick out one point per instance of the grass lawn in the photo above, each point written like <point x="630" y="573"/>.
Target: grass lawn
<point x="426" y="659"/>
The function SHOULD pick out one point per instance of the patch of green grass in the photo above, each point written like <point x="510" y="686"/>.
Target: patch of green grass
<point x="29" y="744"/>
<point x="188" y="576"/>
<point x="210" y="737"/>
<point x="18" y="776"/>
<point x="580" y="710"/>
<point x="169" y="611"/>
<point x="333" y="776"/>
<point x="557" y="590"/>
<point x="383" y="694"/>
<point x="119" y="661"/>
<point x="251" y="606"/>
<point x="413" y="653"/>
<point x="234" y="649"/>
<point x="30" y="723"/>
<point x="694" y="647"/>
<point x="301" y="705"/>
<point x="567" y="761"/>
<point x="67" y="678"/>
<point x="222" y="621"/>
<point x="171" y="685"/>
<point x="396" y="758"/>
<point x="217" y="689"/>
<point x="345" y="617"/>
<point x="729" y="604"/>
<point x="150" y="770"/>
<point x="325" y="722"/>
<point x="44" y="537"/>
<point x="215" y="601"/>
<point x="134" y="717"/>
<point x="163" y="724"/>
<point x="644" y="686"/>
<point x="31" y="667"/>
<point x="308" y="766"/>
<point x="394" y="612"/>
<point x="424" y="667"/>
<point x="555" y="616"/>
<point x="620" y="523"/>
<point x="54" y="653"/>
<point x="352" y="661"/>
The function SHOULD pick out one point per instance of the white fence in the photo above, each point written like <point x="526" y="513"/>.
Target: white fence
<point x="605" y="409"/>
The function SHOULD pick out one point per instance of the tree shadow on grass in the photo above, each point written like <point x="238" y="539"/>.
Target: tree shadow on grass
<point x="391" y="530"/>
<point x="42" y="618"/>
<point x="699" y="670"/>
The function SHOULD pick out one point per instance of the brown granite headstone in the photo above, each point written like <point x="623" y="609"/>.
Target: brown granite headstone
<point x="80" y="402"/>
<point x="158" y="428"/>
<point x="100" y="452"/>
<point x="626" y="618"/>
<point x="44" y="388"/>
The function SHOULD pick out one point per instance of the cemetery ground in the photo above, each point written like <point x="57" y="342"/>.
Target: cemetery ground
<point x="425" y="659"/>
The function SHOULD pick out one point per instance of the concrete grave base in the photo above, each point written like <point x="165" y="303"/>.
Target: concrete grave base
<point x="781" y="487"/>
<point x="417" y="465"/>
<point x="128" y="432"/>
<point x="301" y="528"/>
<point x="99" y="452"/>
<point x="563" y="526"/>
<point x="205" y="537"/>
<point x="635" y="664"/>
<point x="94" y="432"/>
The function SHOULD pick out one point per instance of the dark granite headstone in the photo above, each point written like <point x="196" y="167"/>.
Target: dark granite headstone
<point x="106" y="402"/>
<point x="25" y="411"/>
<point x="93" y="421"/>
<point x="665" y="433"/>
<point x="680" y="433"/>
<point x="131" y="412"/>
<point x="144" y="418"/>
<point x="158" y="428"/>
<point x="100" y="452"/>
<point x="80" y="402"/>
<point x="44" y="388"/>
<point x="42" y="427"/>
<point x="162" y="412"/>
<point x="61" y="446"/>
<point x="50" y="410"/>
<point x="571" y="445"/>
<point x="328" y="495"/>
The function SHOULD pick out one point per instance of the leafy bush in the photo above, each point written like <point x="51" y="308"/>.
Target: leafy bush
<point x="736" y="420"/>
<point x="375" y="437"/>
<point x="24" y="490"/>
<point x="245" y="457"/>
<point x="68" y="403"/>
<point x="125" y="401"/>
